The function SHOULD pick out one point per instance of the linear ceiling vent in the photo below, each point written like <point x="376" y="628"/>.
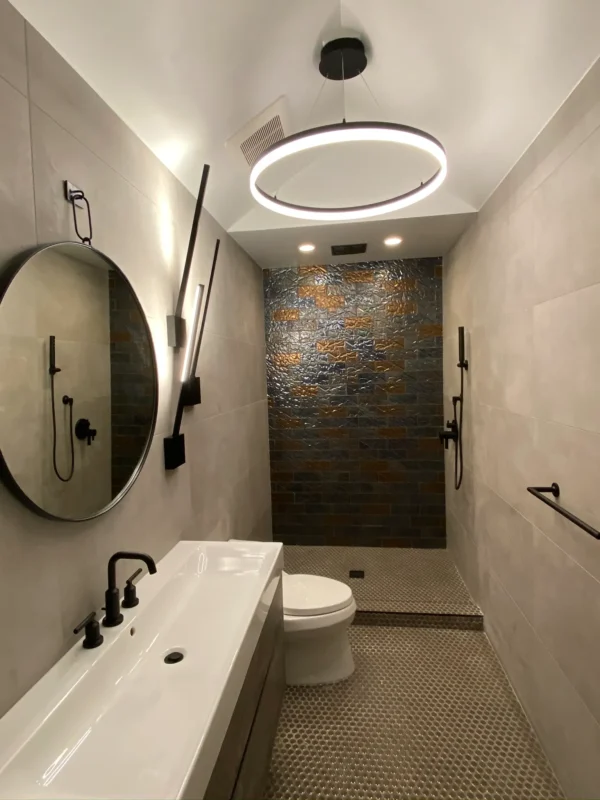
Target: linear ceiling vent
<point x="348" y="249"/>
<point x="270" y="133"/>
<point x="266" y="129"/>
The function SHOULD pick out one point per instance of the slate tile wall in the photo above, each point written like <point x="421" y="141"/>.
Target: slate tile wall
<point x="132" y="382"/>
<point x="355" y="384"/>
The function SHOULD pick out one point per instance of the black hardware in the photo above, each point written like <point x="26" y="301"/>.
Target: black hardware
<point x="455" y="426"/>
<point x="189" y="395"/>
<point x="356" y="573"/>
<point x="540" y="491"/>
<point x="130" y="598"/>
<point x="113" y="606"/>
<point x="174" y="658"/>
<point x="84" y="430"/>
<point x="72" y="196"/>
<point x="67" y="401"/>
<point x="343" y="59"/>
<point x="451" y="435"/>
<point x="93" y="638"/>
<point x="53" y="369"/>
<point x="175" y="322"/>
<point x="348" y="249"/>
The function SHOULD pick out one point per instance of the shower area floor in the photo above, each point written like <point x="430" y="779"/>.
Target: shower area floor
<point x="396" y="580"/>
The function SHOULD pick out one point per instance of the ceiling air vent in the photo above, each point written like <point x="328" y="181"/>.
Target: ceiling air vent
<point x="269" y="133"/>
<point x="266" y="129"/>
<point x="348" y="249"/>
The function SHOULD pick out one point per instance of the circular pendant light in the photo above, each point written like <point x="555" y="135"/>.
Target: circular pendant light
<point x="334" y="57"/>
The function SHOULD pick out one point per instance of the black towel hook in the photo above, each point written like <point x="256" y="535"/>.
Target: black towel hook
<point x="73" y="195"/>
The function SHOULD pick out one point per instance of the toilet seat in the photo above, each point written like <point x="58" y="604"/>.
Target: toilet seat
<point x="313" y="595"/>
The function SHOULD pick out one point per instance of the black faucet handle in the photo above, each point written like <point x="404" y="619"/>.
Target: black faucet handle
<point x="132" y="578"/>
<point x="93" y="638"/>
<point x="130" y="598"/>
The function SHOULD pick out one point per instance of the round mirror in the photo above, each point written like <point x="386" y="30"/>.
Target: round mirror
<point x="78" y="386"/>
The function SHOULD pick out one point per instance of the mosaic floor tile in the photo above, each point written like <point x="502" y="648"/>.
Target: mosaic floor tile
<point x="427" y="714"/>
<point x="396" y="580"/>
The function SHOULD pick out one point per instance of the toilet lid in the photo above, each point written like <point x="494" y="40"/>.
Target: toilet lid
<point x="310" y="595"/>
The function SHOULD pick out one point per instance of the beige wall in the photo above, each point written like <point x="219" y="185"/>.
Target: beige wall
<point x="525" y="281"/>
<point x="54" y="127"/>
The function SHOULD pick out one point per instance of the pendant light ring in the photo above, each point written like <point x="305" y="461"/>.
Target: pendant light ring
<point x="402" y="135"/>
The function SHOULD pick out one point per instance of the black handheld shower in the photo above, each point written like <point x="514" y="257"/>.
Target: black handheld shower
<point x="67" y="401"/>
<point x="455" y="426"/>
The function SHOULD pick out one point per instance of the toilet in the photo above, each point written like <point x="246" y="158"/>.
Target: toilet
<point x="317" y="614"/>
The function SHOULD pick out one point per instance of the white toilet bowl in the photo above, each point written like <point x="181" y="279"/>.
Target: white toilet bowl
<point x="317" y="614"/>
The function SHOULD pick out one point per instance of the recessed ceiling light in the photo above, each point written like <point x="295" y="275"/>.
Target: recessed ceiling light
<point x="392" y="241"/>
<point x="306" y="248"/>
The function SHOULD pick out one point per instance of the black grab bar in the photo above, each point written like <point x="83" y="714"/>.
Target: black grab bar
<point x="539" y="491"/>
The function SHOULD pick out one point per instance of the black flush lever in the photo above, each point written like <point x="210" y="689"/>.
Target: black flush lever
<point x="130" y="598"/>
<point x="93" y="638"/>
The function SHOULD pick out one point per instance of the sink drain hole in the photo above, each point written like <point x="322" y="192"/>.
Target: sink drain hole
<point x="174" y="658"/>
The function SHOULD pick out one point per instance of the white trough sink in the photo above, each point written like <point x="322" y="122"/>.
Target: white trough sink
<point x="117" y="721"/>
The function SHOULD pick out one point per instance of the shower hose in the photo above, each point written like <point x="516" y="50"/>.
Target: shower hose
<point x="458" y="421"/>
<point x="68" y="401"/>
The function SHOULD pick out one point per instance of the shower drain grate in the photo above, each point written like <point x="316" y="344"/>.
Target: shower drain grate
<point x="456" y="622"/>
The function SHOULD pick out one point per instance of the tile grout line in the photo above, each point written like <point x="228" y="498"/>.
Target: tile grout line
<point x="27" y="71"/>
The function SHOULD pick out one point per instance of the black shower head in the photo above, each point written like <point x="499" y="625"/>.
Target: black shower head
<point x="462" y="362"/>
<point x="52" y="368"/>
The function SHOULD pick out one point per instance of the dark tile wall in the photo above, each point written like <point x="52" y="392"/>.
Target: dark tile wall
<point x="132" y="382"/>
<point x="354" y="364"/>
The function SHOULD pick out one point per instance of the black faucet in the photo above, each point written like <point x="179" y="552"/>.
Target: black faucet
<point x="113" y="605"/>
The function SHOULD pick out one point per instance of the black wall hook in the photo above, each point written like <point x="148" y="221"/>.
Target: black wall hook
<point x="76" y="196"/>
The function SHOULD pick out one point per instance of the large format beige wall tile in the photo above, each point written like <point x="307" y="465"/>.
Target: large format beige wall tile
<point x="567" y="231"/>
<point x="508" y="546"/>
<point x="65" y="96"/>
<point x="13" y="62"/>
<point x="571" y="458"/>
<point x="126" y="223"/>
<point x="531" y="265"/>
<point x="567" y="355"/>
<point x="566" y="613"/>
<point x="142" y="218"/>
<point x="502" y="362"/>
<point x="568" y="731"/>
<point x="228" y="457"/>
<point x="17" y="215"/>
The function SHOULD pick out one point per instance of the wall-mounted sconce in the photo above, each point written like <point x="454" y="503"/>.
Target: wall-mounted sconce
<point x="176" y="322"/>
<point x="189" y="394"/>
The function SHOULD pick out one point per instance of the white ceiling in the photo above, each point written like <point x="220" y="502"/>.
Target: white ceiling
<point x="482" y="76"/>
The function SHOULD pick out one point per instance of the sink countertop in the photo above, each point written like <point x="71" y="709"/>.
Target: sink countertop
<point x="117" y="722"/>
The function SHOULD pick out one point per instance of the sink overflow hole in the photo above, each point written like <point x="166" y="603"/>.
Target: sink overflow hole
<point x="132" y="631"/>
<point x="174" y="658"/>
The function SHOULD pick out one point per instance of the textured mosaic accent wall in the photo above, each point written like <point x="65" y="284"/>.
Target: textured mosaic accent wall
<point x="132" y="382"/>
<point x="354" y="364"/>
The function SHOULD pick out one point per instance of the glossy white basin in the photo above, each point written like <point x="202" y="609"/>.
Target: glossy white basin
<point x="117" y="722"/>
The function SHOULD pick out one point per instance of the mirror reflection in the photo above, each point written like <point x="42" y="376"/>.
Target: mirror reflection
<point x="79" y="388"/>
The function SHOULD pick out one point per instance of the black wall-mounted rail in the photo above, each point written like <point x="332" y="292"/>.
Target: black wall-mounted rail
<point x="541" y="491"/>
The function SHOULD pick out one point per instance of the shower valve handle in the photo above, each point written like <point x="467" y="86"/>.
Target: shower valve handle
<point x="84" y="430"/>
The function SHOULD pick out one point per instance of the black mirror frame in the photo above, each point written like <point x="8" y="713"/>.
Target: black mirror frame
<point x="7" y="274"/>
